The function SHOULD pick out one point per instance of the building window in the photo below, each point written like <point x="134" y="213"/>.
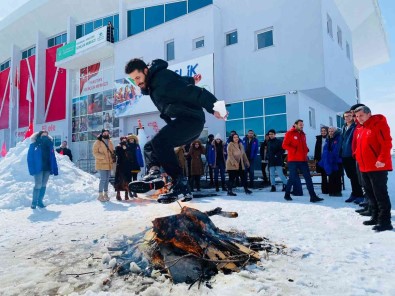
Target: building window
<point x="348" y="50"/>
<point x="60" y="39"/>
<point x="330" y="121"/>
<point x="339" y="37"/>
<point x="259" y="115"/>
<point x="175" y="10"/>
<point x="231" y="38"/>
<point x="145" y="18"/>
<point x="4" y="65"/>
<point x="197" y="4"/>
<point x="29" y="52"/>
<point x="170" y="50"/>
<point x="357" y="88"/>
<point x="312" y="117"/>
<point x="135" y="21"/>
<point x="89" y="27"/>
<point x="339" y="121"/>
<point x="264" y="38"/>
<point x="198" y="43"/>
<point x="154" y="16"/>
<point x="329" y="25"/>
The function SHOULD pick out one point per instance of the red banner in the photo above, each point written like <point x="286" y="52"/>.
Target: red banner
<point x="5" y="85"/>
<point x="26" y="91"/>
<point x="55" y="88"/>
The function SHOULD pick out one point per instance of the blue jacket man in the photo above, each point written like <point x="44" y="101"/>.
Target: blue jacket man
<point x="251" y="146"/>
<point x="41" y="163"/>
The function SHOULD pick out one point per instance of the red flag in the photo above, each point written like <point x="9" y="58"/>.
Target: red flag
<point x="3" y="150"/>
<point x="61" y="152"/>
<point x="29" y="131"/>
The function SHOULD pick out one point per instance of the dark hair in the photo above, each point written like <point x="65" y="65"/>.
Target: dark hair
<point x="250" y="131"/>
<point x="364" y="109"/>
<point x="210" y="136"/>
<point x="271" y="131"/>
<point x="298" y="120"/>
<point x="135" y="64"/>
<point x="353" y="107"/>
<point x="105" y="130"/>
<point x="347" y="112"/>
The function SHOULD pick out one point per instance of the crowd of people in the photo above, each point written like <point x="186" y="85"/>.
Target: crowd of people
<point x="361" y="149"/>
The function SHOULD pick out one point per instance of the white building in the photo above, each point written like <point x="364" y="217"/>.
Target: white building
<point x="272" y="61"/>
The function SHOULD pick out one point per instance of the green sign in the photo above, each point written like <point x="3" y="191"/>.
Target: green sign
<point x="65" y="51"/>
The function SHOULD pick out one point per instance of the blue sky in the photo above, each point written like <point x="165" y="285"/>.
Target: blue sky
<point x="377" y="84"/>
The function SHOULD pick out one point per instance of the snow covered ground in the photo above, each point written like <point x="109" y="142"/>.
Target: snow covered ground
<point x="329" y="251"/>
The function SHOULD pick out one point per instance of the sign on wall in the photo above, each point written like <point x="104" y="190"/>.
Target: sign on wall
<point x="128" y="99"/>
<point x="85" y="42"/>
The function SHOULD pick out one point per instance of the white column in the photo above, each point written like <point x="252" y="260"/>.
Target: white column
<point x="123" y="13"/>
<point x="16" y="56"/>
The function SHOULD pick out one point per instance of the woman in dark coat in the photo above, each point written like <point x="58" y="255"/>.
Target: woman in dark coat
<point x="331" y="161"/>
<point x="42" y="163"/>
<point x="319" y="147"/>
<point x="129" y="161"/>
<point x="196" y="151"/>
<point x="216" y="159"/>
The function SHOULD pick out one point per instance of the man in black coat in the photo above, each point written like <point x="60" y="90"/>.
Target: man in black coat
<point x="180" y="104"/>
<point x="274" y="156"/>
<point x="319" y="146"/>
<point x="64" y="150"/>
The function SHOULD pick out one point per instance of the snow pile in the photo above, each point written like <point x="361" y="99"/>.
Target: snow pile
<point x="72" y="185"/>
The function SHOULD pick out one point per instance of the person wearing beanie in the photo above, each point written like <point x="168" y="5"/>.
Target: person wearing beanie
<point x="216" y="159"/>
<point x="319" y="147"/>
<point x="103" y="152"/>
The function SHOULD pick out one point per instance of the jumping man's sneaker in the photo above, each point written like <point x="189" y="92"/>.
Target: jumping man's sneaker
<point x="153" y="173"/>
<point x="179" y="190"/>
<point x="142" y="186"/>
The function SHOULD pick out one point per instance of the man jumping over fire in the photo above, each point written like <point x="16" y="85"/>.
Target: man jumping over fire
<point x="180" y="104"/>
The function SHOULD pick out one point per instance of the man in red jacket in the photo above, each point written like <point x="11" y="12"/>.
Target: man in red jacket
<point x="295" y="143"/>
<point x="373" y="154"/>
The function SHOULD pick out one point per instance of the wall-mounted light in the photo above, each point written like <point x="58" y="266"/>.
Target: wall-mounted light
<point x="293" y="92"/>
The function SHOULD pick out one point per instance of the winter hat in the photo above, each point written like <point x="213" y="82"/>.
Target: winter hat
<point x="218" y="136"/>
<point x="210" y="136"/>
<point x="353" y="107"/>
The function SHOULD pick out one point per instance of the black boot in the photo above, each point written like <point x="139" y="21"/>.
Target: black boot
<point x="180" y="189"/>
<point x="315" y="198"/>
<point x="118" y="196"/>
<point x="273" y="189"/>
<point x="372" y="221"/>
<point x="231" y="193"/>
<point x="247" y="191"/>
<point x="382" y="227"/>
<point x="198" y="183"/>
<point x="287" y="196"/>
<point x="223" y="186"/>
<point x="216" y="186"/>
<point x="126" y="195"/>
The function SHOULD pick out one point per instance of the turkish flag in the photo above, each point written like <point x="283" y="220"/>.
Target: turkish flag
<point x="29" y="131"/>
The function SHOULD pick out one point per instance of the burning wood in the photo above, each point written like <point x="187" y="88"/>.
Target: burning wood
<point x="189" y="247"/>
